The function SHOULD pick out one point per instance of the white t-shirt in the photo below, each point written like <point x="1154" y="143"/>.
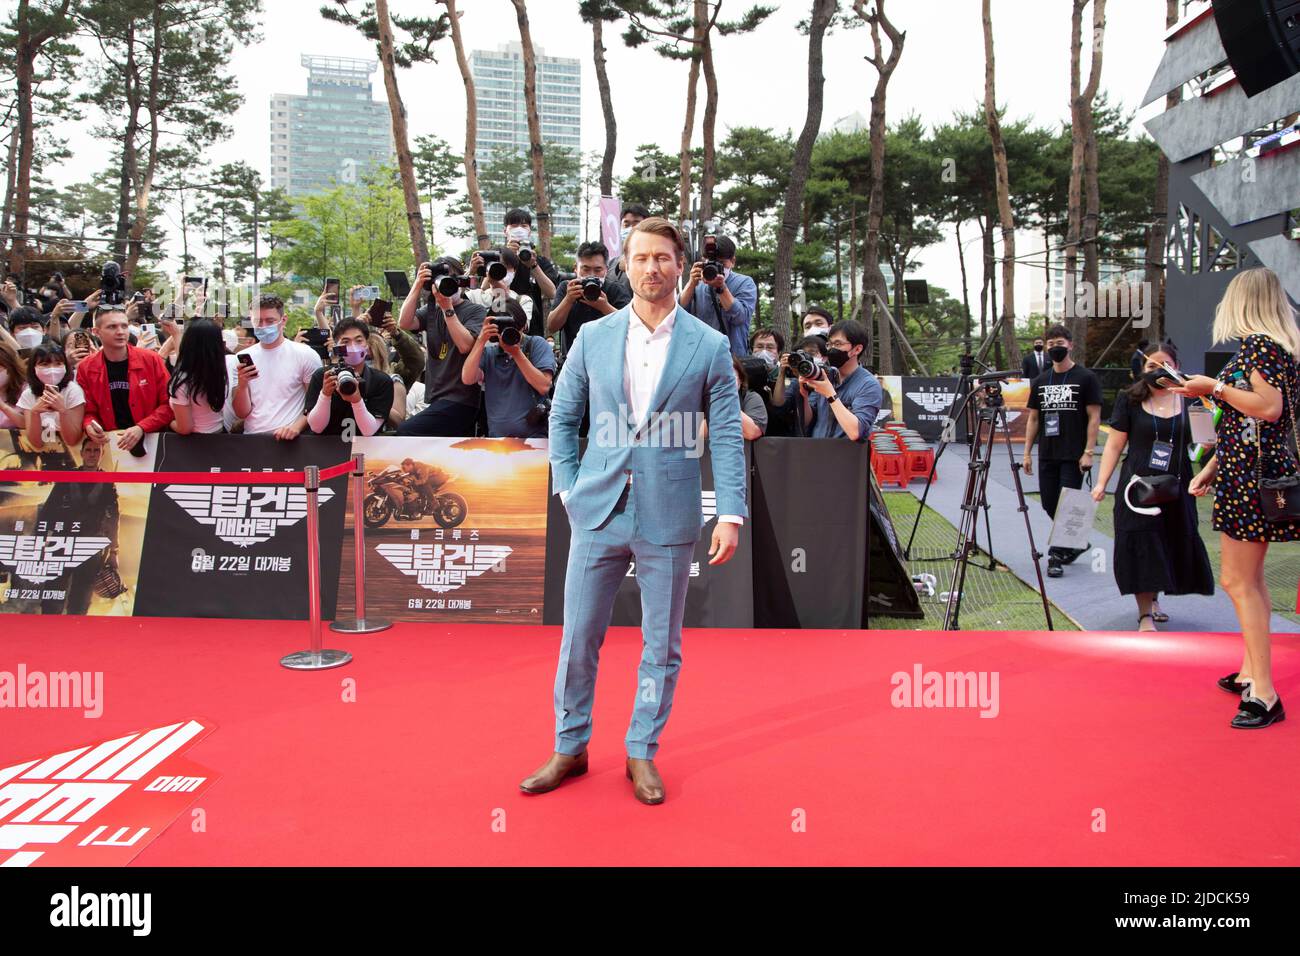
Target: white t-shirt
<point x="205" y="420"/>
<point x="280" y="388"/>
<point x="72" y="397"/>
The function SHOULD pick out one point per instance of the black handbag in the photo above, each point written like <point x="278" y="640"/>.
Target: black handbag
<point x="1279" y="498"/>
<point x="1148" y="491"/>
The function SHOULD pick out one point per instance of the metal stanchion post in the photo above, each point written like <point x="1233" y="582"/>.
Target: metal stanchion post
<point x="316" y="658"/>
<point x="361" y="624"/>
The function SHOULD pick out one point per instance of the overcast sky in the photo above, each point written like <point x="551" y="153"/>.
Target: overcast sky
<point x="762" y="75"/>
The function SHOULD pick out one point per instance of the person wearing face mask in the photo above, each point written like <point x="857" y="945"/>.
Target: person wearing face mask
<point x="367" y="407"/>
<point x="282" y="370"/>
<point x="849" y="409"/>
<point x="450" y="325"/>
<point x="727" y="302"/>
<point x="633" y="213"/>
<point x="1064" y="415"/>
<point x="571" y="309"/>
<point x="1158" y="548"/>
<point x="126" y="387"/>
<point x="13" y="373"/>
<point x="27" y="326"/>
<point x="817" y="321"/>
<point x="536" y="276"/>
<point x="54" y="406"/>
<point x="768" y="344"/>
<point x="1035" y="362"/>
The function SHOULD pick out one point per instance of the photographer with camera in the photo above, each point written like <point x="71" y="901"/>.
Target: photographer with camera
<point x="515" y="370"/>
<point x="778" y="394"/>
<point x="349" y="389"/>
<point x="497" y="269"/>
<point x="451" y="323"/>
<point x="721" y="297"/>
<point x="125" y="386"/>
<point x="537" y="275"/>
<point x="587" y="296"/>
<point x="842" y="405"/>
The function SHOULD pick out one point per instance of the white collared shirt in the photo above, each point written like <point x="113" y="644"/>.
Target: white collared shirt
<point x="644" y="360"/>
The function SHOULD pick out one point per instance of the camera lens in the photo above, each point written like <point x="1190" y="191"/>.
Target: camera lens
<point x="591" y="289"/>
<point x="511" y="336"/>
<point x="448" y="285"/>
<point x="710" y="272"/>
<point x="496" y="271"/>
<point x="525" y="254"/>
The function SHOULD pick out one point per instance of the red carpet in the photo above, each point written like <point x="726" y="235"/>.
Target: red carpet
<point x="766" y="724"/>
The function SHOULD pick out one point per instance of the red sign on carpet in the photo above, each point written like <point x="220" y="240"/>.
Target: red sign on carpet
<point x="100" y="804"/>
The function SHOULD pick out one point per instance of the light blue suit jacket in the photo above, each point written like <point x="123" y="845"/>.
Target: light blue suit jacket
<point x="698" y="382"/>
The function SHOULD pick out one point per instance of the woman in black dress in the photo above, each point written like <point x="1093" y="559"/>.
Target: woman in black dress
<point x="1257" y="391"/>
<point x="1162" y="552"/>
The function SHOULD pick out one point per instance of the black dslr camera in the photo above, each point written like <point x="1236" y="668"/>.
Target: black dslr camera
<point x="492" y="266"/>
<point x="711" y="268"/>
<point x="448" y="284"/>
<point x="509" y="333"/>
<point x="345" y="380"/>
<point x="591" y="288"/>
<point x="112" y="285"/>
<point x="805" y="366"/>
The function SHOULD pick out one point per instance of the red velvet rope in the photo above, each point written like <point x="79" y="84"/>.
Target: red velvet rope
<point x="176" y="477"/>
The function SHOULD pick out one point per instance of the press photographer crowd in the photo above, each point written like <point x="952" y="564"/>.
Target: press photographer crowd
<point x="473" y="348"/>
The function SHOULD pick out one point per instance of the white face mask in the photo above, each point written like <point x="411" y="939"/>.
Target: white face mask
<point x="29" y="338"/>
<point x="823" y="331"/>
<point x="767" y="355"/>
<point x="623" y="233"/>
<point x="521" y="233"/>
<point x="51" y="375"/>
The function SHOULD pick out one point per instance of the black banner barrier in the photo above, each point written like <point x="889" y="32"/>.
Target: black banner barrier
<point x="812" y="504"/>
<point x="239" y="551"/>
<point x="718" y="596"/>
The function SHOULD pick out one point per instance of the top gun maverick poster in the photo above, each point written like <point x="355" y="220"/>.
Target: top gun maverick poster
<point x="455" y="529"/>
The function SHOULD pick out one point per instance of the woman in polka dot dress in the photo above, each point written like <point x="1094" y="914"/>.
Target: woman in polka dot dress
<point x="1253" y="391"/>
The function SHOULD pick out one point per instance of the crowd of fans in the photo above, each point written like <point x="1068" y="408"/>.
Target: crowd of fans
<point x="473" y="349"/>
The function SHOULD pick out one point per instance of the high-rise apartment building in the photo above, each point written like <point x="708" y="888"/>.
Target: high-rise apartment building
<point x="503" y="116"/>
<point x="334" y="132"/>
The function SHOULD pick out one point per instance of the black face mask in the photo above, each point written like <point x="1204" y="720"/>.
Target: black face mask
<point x="1038" y="348"/>
<point x="1058" y="353"/>
<point x="837" y="357"/>
<point x="1151" y="378"/>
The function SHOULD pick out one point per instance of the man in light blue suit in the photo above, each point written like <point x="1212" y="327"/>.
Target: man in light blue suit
<point x="649" y="375"/>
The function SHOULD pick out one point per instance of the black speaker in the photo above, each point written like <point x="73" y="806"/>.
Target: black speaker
<point x="1262" y="40"/>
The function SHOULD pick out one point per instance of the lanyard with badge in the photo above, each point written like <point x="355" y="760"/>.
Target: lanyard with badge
<point x="1052" y="419"/>
<point x="1162" y="452"/>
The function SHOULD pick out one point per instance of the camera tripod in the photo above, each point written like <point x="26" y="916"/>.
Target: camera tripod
<point x="989" y="419"/>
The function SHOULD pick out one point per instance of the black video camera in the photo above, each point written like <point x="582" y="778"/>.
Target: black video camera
<point x="112" y="285"/>
<point x="711" y="268"/>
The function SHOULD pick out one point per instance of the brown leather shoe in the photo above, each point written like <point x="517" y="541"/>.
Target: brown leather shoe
<point x="552" y="773"/>
<point x="646" y="783"/>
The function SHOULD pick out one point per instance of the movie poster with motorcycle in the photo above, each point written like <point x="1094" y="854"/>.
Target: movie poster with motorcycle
<point x="71" y="547"/>
<point x="455" y="529"/>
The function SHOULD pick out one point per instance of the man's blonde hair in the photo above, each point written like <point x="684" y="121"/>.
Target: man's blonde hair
<point x="658" y="226"/>
<point x="1256" y="304"/>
